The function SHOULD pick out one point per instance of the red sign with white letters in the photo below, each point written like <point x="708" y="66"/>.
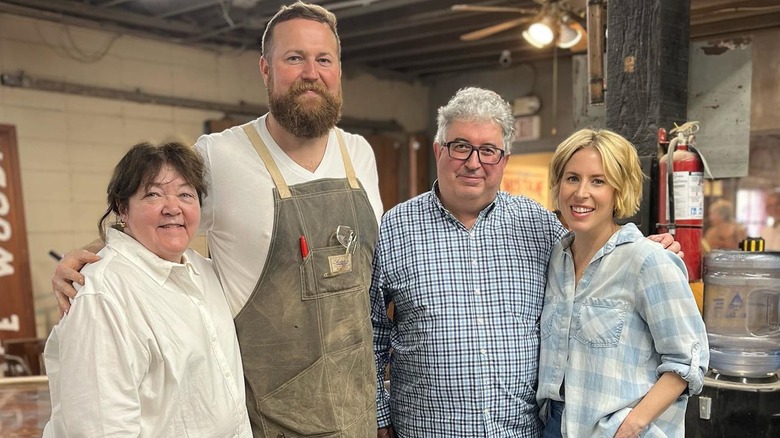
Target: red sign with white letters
<point x="17" y="316"/>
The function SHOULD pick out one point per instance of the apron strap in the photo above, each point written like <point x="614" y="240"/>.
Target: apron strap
<point x="270" y="164"/>
<point x="273" y="169"/>
<point x="347" y="162"/>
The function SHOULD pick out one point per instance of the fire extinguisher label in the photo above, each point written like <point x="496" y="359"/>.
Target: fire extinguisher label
<point x="688" y="195"/>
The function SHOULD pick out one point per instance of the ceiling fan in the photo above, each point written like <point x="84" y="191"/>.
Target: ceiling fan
<point x="553" y="20"/>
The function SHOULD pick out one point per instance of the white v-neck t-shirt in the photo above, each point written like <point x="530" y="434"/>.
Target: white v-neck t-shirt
<point x="237" y="214"/>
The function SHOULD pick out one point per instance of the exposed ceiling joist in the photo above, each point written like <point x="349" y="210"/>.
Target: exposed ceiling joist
<point x="81" y="10"/>
<point x="407" y="37"/>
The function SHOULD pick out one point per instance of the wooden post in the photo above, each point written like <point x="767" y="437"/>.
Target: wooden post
<point x="595" y="52"/>
<point x="647" y="80"/>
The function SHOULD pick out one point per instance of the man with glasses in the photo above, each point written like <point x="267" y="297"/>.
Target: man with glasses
<point x="466" y="268"/>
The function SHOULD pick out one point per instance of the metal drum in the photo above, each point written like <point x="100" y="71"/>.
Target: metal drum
<point x="728" y="409"/>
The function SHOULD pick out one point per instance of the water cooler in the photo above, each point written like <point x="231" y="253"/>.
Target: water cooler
<point x="741" y="395"/>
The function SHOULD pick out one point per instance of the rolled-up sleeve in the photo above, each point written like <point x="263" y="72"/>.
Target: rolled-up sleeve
<point x="674" y="320"/>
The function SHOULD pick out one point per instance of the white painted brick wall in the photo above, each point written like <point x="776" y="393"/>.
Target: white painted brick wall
<point x="68" y="145"/>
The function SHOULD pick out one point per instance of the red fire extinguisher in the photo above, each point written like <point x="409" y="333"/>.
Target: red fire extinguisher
<point x="681" y="209"/>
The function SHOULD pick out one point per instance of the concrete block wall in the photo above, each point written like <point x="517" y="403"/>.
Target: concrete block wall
<point x="68" y="144"/>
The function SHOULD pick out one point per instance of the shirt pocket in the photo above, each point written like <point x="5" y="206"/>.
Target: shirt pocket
<point x="599" y="322"/>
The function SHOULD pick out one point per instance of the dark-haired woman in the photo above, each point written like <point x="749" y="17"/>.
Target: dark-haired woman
<point x="149" y="347"/>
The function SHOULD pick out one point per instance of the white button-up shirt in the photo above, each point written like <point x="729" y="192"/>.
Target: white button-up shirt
<point x="148" y="349"/>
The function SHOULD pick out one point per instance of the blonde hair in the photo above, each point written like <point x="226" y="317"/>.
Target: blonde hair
<point x="620" y="161"/>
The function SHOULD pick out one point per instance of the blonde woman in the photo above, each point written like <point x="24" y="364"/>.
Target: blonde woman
<point x="622" y="341"/>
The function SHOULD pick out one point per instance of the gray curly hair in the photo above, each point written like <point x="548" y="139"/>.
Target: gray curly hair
<point x="477" y="105"/>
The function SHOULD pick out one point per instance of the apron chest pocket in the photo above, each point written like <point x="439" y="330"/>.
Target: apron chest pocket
<point x="331" y="271"/>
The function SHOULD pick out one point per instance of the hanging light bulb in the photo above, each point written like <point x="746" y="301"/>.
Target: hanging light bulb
<point x="531" y="40"/>
<point x="540" y="33"/>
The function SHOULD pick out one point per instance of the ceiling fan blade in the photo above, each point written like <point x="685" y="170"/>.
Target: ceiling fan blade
<point x="472" y="8"/>
<point x="482" y="33"/>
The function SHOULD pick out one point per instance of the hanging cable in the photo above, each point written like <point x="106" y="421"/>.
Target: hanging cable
<point x="225" y="6"/>
<point x="554" y="130"/>
<point x="72" y="49"/>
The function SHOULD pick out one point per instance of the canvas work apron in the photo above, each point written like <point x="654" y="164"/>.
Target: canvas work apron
<point x="305" y="332"/>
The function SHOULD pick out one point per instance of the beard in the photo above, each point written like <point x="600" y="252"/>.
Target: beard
<point x="305" y="117"/>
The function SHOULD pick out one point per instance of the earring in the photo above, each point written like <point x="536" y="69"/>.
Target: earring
<point x="119" y="224"/>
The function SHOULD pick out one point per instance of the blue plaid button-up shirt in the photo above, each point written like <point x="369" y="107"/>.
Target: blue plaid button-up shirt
<point x="631" y="317"/>
<point x="465" y="333"/>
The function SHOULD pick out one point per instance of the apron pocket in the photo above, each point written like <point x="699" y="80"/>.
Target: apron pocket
<point x="330" y="271"/>
<point x="331" y="394"/>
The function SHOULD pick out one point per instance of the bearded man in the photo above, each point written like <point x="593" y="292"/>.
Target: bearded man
<point x="291" y="220"/>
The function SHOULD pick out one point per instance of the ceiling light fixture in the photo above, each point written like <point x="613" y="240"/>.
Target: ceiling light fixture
<point x="540" y="33"/>
<point x="570" y="32"/>
<point x="554" y="24"/>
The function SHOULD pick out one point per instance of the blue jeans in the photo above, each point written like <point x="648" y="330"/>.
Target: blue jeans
<point x="552" y="429"/>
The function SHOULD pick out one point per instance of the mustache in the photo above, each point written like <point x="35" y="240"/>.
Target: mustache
<point x="303" y="87"/>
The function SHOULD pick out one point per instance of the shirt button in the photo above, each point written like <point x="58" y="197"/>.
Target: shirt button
<point x="487" y="412"/>
<point x="474" y="263"/>
<point x="227" y="375"/>
<point x="477" y="292"/>
<point x="214" y="339"/>
<point x="480" y="321"/>
<point x="483" y="351"/>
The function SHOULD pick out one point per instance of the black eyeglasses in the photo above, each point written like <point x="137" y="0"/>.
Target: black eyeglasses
<point x="461" y="150"/>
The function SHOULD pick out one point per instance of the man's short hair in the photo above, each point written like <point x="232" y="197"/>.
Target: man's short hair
<point x="302" y="10"/>
<point x="473" y="104"/>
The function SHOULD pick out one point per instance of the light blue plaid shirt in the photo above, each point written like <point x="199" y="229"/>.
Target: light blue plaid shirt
<point x="631" y="318"/>
<point x="466" y="329"/>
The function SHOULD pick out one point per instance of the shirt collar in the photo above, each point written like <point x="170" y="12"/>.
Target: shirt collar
<point x="626" y="234"/>
<point x="156" y="267"/>
<point x="437" y="202"/>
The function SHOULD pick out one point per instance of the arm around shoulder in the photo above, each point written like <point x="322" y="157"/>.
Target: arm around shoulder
<point x="67" y="272"/>
<point x="667" y="242"/>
